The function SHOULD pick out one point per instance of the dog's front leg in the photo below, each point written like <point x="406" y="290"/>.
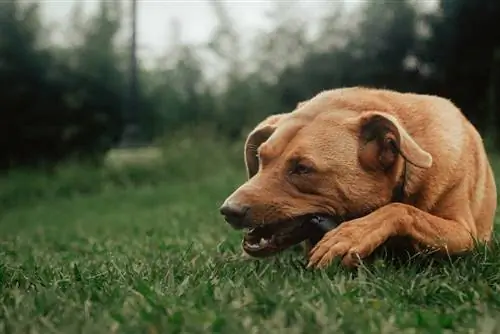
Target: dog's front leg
<point x="357" y="239"/>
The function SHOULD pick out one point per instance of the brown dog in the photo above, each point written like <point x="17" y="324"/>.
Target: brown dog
<point x="346" y="153"/>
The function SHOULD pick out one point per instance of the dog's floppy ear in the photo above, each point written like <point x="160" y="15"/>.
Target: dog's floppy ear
<point x="258" y="135"/>
<point x="382" y="138"/>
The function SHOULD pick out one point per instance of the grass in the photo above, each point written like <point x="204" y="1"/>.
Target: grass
<point x="141" y="248"/>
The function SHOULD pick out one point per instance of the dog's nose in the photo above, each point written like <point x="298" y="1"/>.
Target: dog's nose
<point x="234" y="213"/>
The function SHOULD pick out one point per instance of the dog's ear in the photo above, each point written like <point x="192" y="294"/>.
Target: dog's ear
<point x="258" y="135"/>
<point x="383" y="138"/>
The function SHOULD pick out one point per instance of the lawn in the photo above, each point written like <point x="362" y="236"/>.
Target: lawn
<point x="142" y="248"/>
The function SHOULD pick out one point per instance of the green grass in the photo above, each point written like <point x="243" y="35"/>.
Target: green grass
<point x="134" y="249"/>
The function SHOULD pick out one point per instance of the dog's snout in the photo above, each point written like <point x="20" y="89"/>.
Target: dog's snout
<point x="234" y="213"/>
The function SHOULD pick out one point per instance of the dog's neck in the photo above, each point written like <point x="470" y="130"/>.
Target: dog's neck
<point x="398" y="193"/>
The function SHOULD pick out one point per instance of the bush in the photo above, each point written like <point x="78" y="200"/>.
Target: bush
<point x="180" y="158"/>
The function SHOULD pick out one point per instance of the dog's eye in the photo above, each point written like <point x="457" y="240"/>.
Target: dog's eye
<point x="300" y="169"/>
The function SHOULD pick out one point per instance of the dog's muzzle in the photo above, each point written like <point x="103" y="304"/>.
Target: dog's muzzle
<point x="270" y="238"/>
<point x="235" y="214"/>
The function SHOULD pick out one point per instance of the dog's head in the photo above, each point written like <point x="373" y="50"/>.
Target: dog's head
<point x="316" y="161"/>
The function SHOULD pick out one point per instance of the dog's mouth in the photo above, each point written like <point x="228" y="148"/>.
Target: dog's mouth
<point x="273" y="238"/>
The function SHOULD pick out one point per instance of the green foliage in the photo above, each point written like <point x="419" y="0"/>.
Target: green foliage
<point x="179" y="94"/>
<point x="56" y="106"/>
<point x="154" y="255"/>
<point x="175" y="162"/>
<point x="67" y="102"/>
<point x="461" y="53"/>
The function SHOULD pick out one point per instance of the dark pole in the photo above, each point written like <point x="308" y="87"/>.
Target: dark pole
<point x="131" y="126"/>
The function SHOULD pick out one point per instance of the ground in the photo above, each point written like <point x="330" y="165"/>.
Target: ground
<point x="145" y="250"/>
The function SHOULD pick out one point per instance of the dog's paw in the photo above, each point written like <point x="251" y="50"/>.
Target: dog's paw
<point x="351" y="241"/>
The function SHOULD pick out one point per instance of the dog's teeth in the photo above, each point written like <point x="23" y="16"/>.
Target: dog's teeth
<point x="252" y="246"/>
<point x="261" y="244"/>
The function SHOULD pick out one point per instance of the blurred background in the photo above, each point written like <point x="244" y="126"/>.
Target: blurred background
<point x="87" y="82"/>
<point x="122" y="132"/>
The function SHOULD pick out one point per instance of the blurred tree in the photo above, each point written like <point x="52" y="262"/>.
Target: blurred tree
<point x="334" y="27"/>
<point x="178" y="87"/>
<point x="57" y="105"/>
<point x="383" y="45"/>
<point x="61" y="101"/>
<point x="225" y="42"/>
<point x="464" y="38"/>
<point x="285" y="44"/>
<point x="234" y="103"/>
<point x="373" y="54"/>
<point x="131" y="135"/>
<point x="29" y="130"/>
<point x="98" y="82"/>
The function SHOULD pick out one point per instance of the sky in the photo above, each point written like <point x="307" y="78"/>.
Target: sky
<point x="196" y="18"/>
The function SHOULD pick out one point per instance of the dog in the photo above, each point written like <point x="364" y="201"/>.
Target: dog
<point x="386" y="164"/>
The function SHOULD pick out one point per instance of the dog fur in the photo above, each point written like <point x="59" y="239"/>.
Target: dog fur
<point x="346" y="151"/>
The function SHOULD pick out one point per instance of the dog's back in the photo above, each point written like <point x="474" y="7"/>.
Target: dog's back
<point x="460" y="162"/>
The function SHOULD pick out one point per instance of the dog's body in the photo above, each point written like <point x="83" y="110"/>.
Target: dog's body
<point x="394" y="164"/>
